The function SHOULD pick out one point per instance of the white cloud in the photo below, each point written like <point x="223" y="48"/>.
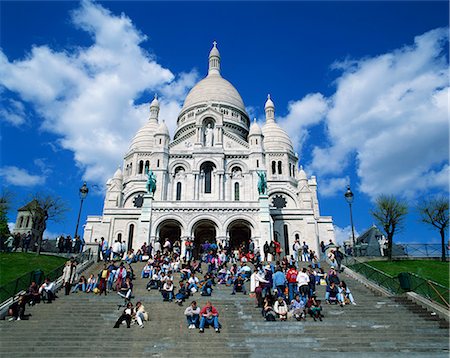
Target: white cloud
<point x="302" y="114"/>
<point x="20" y="177"/>
<point x="13" y="112"/>
<point x="391" y="113"/>
<point x="330" y="186"/>
<point x="88" y="96"/>
<point x="11" y="226"/>
<point x="344" y="234"/>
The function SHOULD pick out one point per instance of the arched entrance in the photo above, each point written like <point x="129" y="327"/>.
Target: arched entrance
<point x="169" y="229"/>
<point x="240" y="234"/>
<point x="204" y="230"/>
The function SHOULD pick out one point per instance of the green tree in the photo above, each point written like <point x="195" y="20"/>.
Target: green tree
<point x="390" y="214"/>
<point x="44" y="208"/>
<point x="435" y="213"/>
<point x="5" y="203"/>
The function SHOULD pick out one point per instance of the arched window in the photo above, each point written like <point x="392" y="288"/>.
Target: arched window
<point x="274" y="167"/>
<point x="147" y="166"/>
<point x="131" y="168"/>
<point x="130" y="236"/>
<point x="256" y="141"/>
<point x="21" y="221"/>
<point x="236" y="191"/>
<point x="286" y="239"/>
<point x="279" y="168"/>
<point x="297" y="237"/>
<point x="141" y="167"/>
<point x="178" y="197"/>
<point x="119" y="237"/>
<point x="157" y="164"/>
<point x="206" y="170"/>
<point x="28" y="222"/>
<point x="257" y="163"/>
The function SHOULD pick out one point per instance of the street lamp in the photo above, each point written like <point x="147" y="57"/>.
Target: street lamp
<point x="349" y="198"/>
<point x="84" y="190"/>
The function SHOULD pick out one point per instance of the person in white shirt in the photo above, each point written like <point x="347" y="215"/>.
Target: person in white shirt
<point x="193" y="283"/>
<point x="296" y="248"/>
<point x="302" y="282"/>
<point x="47" y="290"/>
<point x="192" y="314"/>
<point x="157" y="246"/>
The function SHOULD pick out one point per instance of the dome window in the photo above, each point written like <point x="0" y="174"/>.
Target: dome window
<point x="279" y="167"/>
<point x="279" y="201"/>
<point x="274" y="167"/>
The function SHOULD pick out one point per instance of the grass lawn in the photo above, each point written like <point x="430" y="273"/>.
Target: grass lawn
<point x="16" y="264"/>
<point x="433" y="270"/>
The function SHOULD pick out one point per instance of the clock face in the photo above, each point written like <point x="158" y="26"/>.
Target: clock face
<point x="138" y="201"/>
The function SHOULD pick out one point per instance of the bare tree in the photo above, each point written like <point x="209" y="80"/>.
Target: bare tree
<point x="44" y="208"/>
<point x="390" y="213"/>
<point x="435" y="212"/>
<point x="5" y="203"/>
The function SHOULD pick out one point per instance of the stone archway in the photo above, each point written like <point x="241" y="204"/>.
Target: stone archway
<point x="240" y="233"/>
<point x="203" y="231"/>
<point x="169" y="229"/>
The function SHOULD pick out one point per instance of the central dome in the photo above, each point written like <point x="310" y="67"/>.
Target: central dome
<point x="214" y="88"/>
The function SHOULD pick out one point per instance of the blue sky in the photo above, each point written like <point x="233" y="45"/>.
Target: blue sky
<point x="362" y="88"/>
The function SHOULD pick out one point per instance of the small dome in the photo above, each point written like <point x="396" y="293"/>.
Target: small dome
<point x="269" y="103"/>
<point x="276" y="139"/>
<point x="155" y="102"/>
<point x="302" y="174"/>
<point x="162" y="129"/>
<point x="144" y="138"/>
<point x="214" y="51"/>
<point x="118" y="174"/>
<point x="255" y="129"/>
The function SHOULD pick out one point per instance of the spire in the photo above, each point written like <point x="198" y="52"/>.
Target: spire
<point x="154" y="109"/>
<point x="214" y="61"/>
<point x="270" y="110"/>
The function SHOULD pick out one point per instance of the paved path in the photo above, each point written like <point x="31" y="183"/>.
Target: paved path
<point x="80" y="325"/>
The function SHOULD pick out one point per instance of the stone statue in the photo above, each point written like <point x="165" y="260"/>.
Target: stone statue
<point x="262" y="183"/>
<point x="151" y="182"/>
<point x="209" y="133"/>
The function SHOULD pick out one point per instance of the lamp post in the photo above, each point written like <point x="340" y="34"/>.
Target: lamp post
<point x="83" y="192"/>
<point x="349" y="198"/>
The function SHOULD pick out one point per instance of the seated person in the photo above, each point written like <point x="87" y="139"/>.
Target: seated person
<point x="138" y="256"/>
<point x="331" y="293"/>
<point x="183" y="293"/>
<point x="315" y="308"/>
<point x="167" y="291"/>
<point x="126" y="316"/>
<point x="91" y="283"/>
<point x="126" y="289"/>
<point x="267" y="311"/>
<point x="81" y="285"/>
<point x="297" y="308"/>
<point x="222" y="275"/>
<point x="345" y="295"/>
<point x="32" y="295"/>
<point x="281" y="309"/>
<point x="245" y="271"/>
<point x="193" y="283"/>
<point x="146" y="271"/>
<point x="192" y="314"/>
<point x="47" y="290"/>
<point x="239" y="285"/>
<point x="140" y="315"/>
<point x="206" y="285"/>
<point x="17" y="309"/>
<point x="209" y="316"/>
<point x="155" y="281"/>
<point x="185" y="272"/>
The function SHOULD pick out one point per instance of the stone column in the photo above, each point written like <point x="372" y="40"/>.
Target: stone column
<point x="145" y="222"/>
<point x="265" y="222"/>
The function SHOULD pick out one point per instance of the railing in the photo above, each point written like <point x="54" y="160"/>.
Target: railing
<point x="390" y="283"/>
<point x="423" y="250"/>
<point x="403" y="282"/>
<point x="12" y="288"/>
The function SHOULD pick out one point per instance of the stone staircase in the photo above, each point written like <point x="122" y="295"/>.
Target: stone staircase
<point x="80" y="325"/>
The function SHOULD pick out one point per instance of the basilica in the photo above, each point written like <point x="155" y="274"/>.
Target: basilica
<point x="207" y="178"/>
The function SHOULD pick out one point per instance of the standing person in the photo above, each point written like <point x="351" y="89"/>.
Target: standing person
<point x="291" y="278"/>
<point x="272" y="250"/>
<point x="279" y="282"/>
<point x="157" y="247"/>
<point x="303" y="283"/>
<point x="126" y="316"/>
<point x="266" y="250"/>
<point x="192" y="314"/>
<point x="277" y="250"/>
<point x="69" y="276"/>
<point x="305" y="254"/>
<point x="27" y="241"/>
<point x="104" y="274"/>
<point x="296" y="248"/>
<point x="209" y="315"/>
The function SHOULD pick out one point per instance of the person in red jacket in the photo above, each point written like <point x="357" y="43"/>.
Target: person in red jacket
<point x="277" y="250"/>
<point x="291" y="278"/>
<point x="210" y="316"/>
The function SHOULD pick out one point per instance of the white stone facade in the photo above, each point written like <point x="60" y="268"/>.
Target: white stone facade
<point x="207" y="178"/>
